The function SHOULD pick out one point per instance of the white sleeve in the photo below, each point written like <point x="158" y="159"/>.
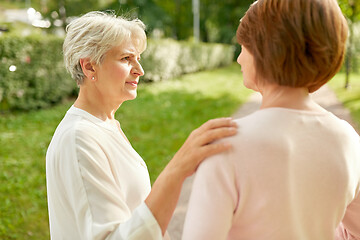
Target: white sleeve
<point x="87" y="201"/>
<point x="141" y="225"/>
<point x="212" y="202"/>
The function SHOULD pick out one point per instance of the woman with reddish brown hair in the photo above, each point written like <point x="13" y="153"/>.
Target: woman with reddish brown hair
<point x="294" y="172"/>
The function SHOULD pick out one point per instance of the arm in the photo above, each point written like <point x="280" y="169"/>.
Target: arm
<point x="86" y="199"/>
<point x="165" y="192"/>
<point x="86" y="202"/>
<point x="349" y="228"/>
<point x="213" y="200"/>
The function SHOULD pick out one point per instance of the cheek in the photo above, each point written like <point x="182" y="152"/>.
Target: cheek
<point x="118" y="71"/>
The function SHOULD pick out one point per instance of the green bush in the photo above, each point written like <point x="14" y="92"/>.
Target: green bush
<point x="166" y="58"/>
<point x="40" y="78"/>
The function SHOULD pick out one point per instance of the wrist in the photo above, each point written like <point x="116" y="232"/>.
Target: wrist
<point x="174" y="172"/>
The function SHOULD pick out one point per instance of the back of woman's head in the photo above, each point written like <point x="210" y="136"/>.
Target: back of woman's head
<point x="296" y="43"/>
<point x="94" y="34"/>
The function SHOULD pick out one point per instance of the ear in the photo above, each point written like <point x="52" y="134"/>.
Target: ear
<point x="87" y="67"/>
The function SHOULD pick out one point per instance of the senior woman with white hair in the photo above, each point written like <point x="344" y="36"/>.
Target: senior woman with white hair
<point x="98" y="186"/>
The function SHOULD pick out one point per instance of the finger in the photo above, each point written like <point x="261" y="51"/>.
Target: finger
<point x="217" y="123"/>
<point x="216" y="134"/>
<point x="212" y="149"/>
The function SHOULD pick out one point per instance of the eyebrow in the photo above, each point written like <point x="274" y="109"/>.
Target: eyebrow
<point x="126" y="53"/>
<point x="130" y="53"/>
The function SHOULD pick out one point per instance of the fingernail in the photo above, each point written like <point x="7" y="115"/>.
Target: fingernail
<point x="233" y="129"/>
<point x="227" y="145"/>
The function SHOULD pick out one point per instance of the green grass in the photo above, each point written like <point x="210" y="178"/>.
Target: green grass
<point x="157" y="123"/>
<point x="12" y="5"/>
<point x="349" y="97"/>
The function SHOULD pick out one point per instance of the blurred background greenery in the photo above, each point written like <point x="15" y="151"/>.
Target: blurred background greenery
<point x="36" y="91"/>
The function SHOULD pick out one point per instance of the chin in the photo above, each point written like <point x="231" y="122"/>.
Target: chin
<point x="251" y="86"/>
<point x="128" y="97"/>
<point x="248" y="86"/>
<point x="132" y="96"/>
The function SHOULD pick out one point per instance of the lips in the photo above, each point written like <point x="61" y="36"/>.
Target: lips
<point x="133" y="83"/>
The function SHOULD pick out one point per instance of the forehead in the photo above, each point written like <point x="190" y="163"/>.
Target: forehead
<point x="126" y="47"/>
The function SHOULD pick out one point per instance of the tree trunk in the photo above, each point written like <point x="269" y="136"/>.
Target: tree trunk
<point x="348" y="67"/>
<point x="350" y="45"/>
<point x="177" y="27"/>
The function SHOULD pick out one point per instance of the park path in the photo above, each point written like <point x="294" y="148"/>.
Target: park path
<point x="324" y="96"/>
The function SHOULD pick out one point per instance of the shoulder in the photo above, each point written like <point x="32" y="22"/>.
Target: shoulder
<point x="217" y="167"/>
<point x="81" y="127"/>
<point x="74" y="130"/>
<point x="341" y="130"/>
<point x="348" y="129"/>
<point x="255" y="128"/>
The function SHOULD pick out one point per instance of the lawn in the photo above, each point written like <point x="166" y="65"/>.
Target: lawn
<point x="349" y="97"/>
<point x="157" y="123"/>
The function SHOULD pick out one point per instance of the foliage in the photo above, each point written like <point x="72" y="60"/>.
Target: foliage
<point x="166" y="58"/>
<point x="169" y="19"/>
<point x="61" y="9"/>
<point x="349" y="97"/>
<point x="151" y="14"/>
<point x="40" y="78"/>
<point x="32" y="73"/>
<point x="14" y="4"/>
<point x="351" y="10"/>
<point x="355" y="51"/>
<point x="182" y="104"/>
<point x="218" y="19"/>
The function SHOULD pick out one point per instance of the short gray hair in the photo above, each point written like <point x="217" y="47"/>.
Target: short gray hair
<point x="94" y="34"/>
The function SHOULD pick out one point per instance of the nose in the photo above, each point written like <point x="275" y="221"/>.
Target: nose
<point x="238" y="59"/>
<point x="137" y="69"/>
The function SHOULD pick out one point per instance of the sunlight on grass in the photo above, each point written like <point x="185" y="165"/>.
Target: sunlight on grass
<point x="349" y="97"/>
<point x="157" y="123"/>
<point x="24" y="138"/>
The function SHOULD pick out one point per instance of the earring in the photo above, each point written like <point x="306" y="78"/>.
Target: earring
<point x="93" y="78"/>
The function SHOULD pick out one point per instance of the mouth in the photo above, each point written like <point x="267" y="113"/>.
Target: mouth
<point x="133" y="83"/>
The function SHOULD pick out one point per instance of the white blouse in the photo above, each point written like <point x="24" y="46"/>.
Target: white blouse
<point x="96" y="183"/>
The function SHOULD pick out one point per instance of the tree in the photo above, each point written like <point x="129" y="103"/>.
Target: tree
<point x="351" y="10"/>
<point x="148" y="11"/>
<point x="66" y="8"/>
<point x="218" y="19"/>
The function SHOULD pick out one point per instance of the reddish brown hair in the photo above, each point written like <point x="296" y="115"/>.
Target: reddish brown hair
<point x="296" y="43"/>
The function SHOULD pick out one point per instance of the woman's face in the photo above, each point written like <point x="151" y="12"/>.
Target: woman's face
<point x="118" y="75"/>
<point x="246" y="61"/>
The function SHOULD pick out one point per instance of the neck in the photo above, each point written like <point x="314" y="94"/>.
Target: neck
<point x="287" y="97"/>
<point x="90" y="101"/>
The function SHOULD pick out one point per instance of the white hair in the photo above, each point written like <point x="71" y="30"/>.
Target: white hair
<point x="94" y="34"/>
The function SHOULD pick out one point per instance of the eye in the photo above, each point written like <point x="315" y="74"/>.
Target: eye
<point x="126" y="58"/>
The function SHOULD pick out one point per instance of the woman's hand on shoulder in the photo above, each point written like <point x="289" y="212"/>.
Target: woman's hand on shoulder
<point x="201" y="144"/>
